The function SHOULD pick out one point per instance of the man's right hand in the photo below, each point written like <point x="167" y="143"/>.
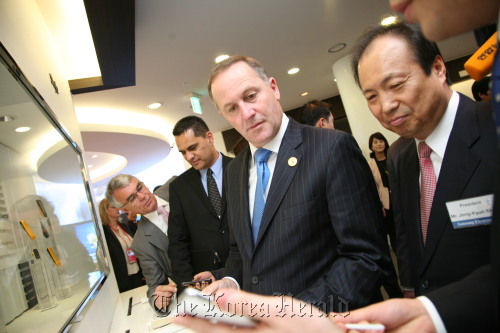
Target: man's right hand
<point x="163" y="296"/>
<point x="224" y="283"/>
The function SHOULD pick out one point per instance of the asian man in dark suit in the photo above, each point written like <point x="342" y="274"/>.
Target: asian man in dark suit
<point x="150" y="241"/>
<point x="404" y="80"/>
<point x="320" y="236"/>
<point x="198" y="231"/>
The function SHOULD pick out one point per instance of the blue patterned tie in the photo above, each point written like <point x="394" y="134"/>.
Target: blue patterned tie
<point x="261" y="156"/>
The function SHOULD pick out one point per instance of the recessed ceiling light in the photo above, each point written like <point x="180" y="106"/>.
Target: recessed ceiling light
<point x="221" y="58"/>
<point x="90" y="166"/>
<point x="94" y="156"/>
<point x="23" y="129"/>
<point x="388" y="19"/>
<point x="294" y="70"/>
<point x="337" y="47"/>
<point x="154" y="106"/>
<point x="4" y="119"/>
<point x="305" y="93"/>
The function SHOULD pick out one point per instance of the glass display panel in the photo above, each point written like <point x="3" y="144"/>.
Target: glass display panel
<point x="51" y="260"/>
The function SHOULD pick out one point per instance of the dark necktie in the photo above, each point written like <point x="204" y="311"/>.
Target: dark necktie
<point x="213" y="193"/>
<point x="427" y="185"/>
<point x="261" y="156"/>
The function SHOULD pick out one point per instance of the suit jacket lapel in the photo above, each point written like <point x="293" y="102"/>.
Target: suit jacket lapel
<point x="410" y="185"/>
<point x="457" y="169"/>
<point x="283" y="174"/>
<point x="225" y="162"/>
<point x="199" y="191"/>
<point x="243" y="216"/>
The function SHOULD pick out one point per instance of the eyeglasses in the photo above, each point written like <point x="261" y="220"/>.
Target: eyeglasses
<point x="133" y="197"/>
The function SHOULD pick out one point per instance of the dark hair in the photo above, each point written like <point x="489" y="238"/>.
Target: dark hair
<point x="194" y="123"/>
<point x="314" y="111"/>
<point x="481" y="86"/>
<point x="378" y="136"/>
<point x="424" y="51"/>
<point x="225" y="64"/>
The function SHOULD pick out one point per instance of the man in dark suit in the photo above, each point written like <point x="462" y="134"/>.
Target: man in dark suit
<point x="320" y="236"/>
<point x="469" y="305"/>
<point x="407" y="90"/>
<point x="198" y="232"/>
<point x="150" y="241"/>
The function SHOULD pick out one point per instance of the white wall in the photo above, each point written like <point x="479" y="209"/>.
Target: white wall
<point x="25" y="35"/>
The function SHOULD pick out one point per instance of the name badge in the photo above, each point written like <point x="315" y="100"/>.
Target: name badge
<point x="471" y="212"/>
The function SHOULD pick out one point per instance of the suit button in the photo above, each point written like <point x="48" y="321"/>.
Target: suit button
<point x="255" y="279"/>
<point x="222" y="231"/>
<point x="424" y="284"/>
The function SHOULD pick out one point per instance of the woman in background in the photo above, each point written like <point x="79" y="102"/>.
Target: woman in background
<point x="378" y="164"/>
<point x="119" y="239"/>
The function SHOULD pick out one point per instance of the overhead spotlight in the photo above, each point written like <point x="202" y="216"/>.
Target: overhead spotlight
<point x="294" y="70"/>
<point x="305" y="93"/>
<point x="221" y="58"/>
<point x="388" y="20"/>
<point x="154" y="106"/>
<point x="23" y="129"/>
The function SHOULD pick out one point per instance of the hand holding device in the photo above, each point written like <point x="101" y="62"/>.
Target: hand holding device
<point x="198" y="284"/>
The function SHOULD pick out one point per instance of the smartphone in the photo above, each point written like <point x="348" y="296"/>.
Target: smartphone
<point x="192" y="283"/>
<point x="195" y="303"/>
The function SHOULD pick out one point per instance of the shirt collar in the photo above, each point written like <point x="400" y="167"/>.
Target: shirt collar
<point x="274" y="144"/>
<point x="438" y="139"/>
<point x="216" y="167"/>
<point x="160" y="202"/>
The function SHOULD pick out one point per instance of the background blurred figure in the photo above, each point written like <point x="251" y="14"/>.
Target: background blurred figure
<point x="162" y="191"/>
<point x="317" y="113"/>
<point x="119" y="238"/>
<point x="129" y="219"/>
<point x="239" y="146"/>
<point x="481" y="90"/>
<point x="378" y="164"/>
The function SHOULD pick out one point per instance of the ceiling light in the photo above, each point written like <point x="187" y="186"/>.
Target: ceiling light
<point x="75" y="42"/>
<point x="22" y="129"/>
<point x="294" y="70"/>
<point x="305" y="93"/>
<point x="337" y="47"/>
<point x="221" y="58"/>
<point x="388" y="20"/>
<point x="154" y="106"/>
<point x="90" y="166"/>
<point x="94" y="156"/>
<point x="4" y="119"/>
<point x="195" y="103"/>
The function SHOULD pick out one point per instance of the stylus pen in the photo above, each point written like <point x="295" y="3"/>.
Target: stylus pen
<point x="365" y="326"/>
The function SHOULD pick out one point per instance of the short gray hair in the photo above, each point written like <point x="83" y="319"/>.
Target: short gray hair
<point x="117" y="182"/>
<point x="225" y="64"/>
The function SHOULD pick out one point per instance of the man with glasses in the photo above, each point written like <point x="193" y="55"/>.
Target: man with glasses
<point x="150" y="242"/>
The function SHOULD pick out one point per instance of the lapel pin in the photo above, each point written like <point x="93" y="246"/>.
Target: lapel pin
<point x="292" y="161"/>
